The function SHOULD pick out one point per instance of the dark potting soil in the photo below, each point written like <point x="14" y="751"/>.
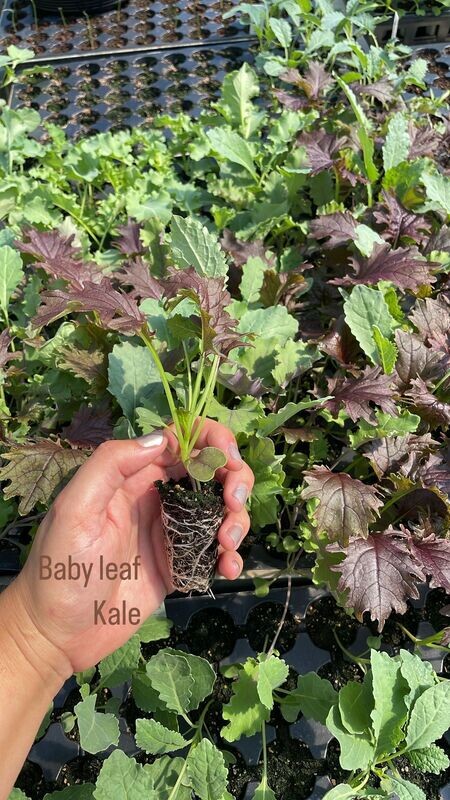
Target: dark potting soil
<point x="211" y="633"/>
<point x="324" y="618"/>
<point x="429" y="783"/>
<point x="262" y="624"/>
<point x="239" y="774"/>
<point x="32" y="781"/>
<point x="437" y="600"/>
<point x="82" y="769"/>
<point x="291" y="769"/>
<point x="392" y="634"/>
<point x="191" y="520"/>
<point x="339" y="674"/>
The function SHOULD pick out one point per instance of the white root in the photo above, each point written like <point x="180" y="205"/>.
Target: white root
<point x="191" y="545"/>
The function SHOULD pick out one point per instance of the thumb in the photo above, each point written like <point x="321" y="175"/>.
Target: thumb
<point x="95" y="483"/>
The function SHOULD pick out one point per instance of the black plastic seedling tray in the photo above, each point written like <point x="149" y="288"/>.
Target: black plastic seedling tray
<point x="228" y="629"/>
<point x="416" y="31"/>
<point x="107" y="93"/>
<point x="136" y="24"/>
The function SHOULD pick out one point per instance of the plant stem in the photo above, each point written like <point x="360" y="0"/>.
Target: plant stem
<point x="283" y="617"/>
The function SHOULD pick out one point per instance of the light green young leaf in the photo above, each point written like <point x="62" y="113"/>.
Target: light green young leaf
<point x="97" y="731"/>
<point x="123" y="779"/>
<point x="282" y="31"/>
<point x="203" y="675"/>
<point x="263" y="791"/>
<point x="274" y="421"/>
<point x="83" y="792"/>
<point x="156" y="739"/>
<point x="401" y="788"/>
<point x="397" y="143"/>
<point x="207" y="771"/>
<point x="144" y="695"/>
<point x="11" y="273"/>
<point x="243" y="419"/>
<point x="314" y="697"/>
<point x="133" y="378"/>
<point x="245" y="712"/>
<point x="275" y="322"/>
<point x="272" y="673"/>
<point x="364" y="309"/>
<point x="203" y="466"/>
<point x="341" y="792"/>
<point x="165" y="773"/>
<point x="252" y="279"/>
<point x="156" y="627"/>
<point x="17" y="794"/>
<point x="238" y="90"/>
<point x="429" y="717"/>
<point x="438" y="191"/>
<point x="118" y="667"/>
<point x="232" y="147"/>
<point x="269" y="479"/>
<point x="171" y="677"/>
<point x="419" y="675"/>
<point x="292" y="359"/>
<point x="357" y="751"/>
<point x="365" y="239"/>
<point x="388" y="716"/>
<point x="194" y="246"/>
<point x="430" y="759"/>
<point x="355" y="705"/>
<point x="387" y="351"/>
<point x="386" y="425"/>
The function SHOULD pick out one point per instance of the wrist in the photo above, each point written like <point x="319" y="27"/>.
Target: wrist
<point x="26" y="645"/>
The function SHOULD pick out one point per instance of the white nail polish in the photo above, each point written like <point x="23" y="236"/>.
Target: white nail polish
<point x="234" y="453"/>
<point x="241" y="493"/>
<point x="236" y="533"/>
<point x="154" y="439"/>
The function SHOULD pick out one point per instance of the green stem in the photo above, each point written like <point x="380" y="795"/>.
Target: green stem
<point x="439" y="384"/>
<point x="202" y="408"/>
<point x="357" y="659"/>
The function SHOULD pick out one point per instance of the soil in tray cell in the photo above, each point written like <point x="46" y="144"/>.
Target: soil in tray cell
<point x="82" y="769"/>
<point x="262" y="625"/>
<point x="32" y="782"/>
<point x="437" y="609"/>
<point x="340" y="674"/>
<point x="325" y="621"/>
<point x="211" y="633"/>
<point x="392" y="634"/>
<point x="292" y="770"/>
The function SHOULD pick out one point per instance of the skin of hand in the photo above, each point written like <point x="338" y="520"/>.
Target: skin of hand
<point x="110" y="508"/>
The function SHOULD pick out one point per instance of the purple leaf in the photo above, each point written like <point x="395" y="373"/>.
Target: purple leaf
<point x="88" y="428"/>
<point x="346" y="505"/>
<point x="425" y="141"/>
<point x="339" y="343"/>
<point x="49" y="246"/>
<point x="5" y="356"/>
<point x="404" y="267"/>
<point x="339" y="228"/>
<point x="432" y="319"/>
<point x="398" y="454"/>
<point x="357" y="395"/>
<point x="433" y="555"/>
<point x="321" y="149"/>
<point x="398" y="222"/>
<point x="137" y="275"/>
<point x="434" y="411"/>
<point x="380" y="574"/>
<point x="129" y="242"/>
<point x="415" y="359"/>
<point x="382" y="90"/>
<point x="241" y="251"/>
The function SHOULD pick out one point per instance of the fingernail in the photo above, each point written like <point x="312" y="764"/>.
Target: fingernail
<point x="236" y="533"/>
<point x="153" y="439"/>
<point x="241" y="493"/>
<point x="234" y="452"/>
<point x="236" y="568"/>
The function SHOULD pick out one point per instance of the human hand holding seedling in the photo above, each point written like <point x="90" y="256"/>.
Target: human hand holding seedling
<point x="109" y="514"/>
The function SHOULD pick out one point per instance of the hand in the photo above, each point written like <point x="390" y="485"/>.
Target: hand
<point x="111" y="510"/>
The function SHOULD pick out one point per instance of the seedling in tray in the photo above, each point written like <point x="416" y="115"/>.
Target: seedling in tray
<point x="198" y="334"/>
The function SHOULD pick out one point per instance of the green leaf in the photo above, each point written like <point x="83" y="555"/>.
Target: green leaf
<point x="272" y="673"/>
<point x="389" y="714"/>
<point x="97" y="731"/>
<point x="156" y="739"/>
<point x="232" y="147"/>
<point x="238" y="90"/>
<point x="397" y="142"/>
<point x="282" y="31"/>
<point x="341" y="792"/>
<point x="429" y="717"/>
<point x="364" y="309"/>
<point x="419" y="675"/>
<point x="11" y="274"/>
<point x="263" y="791"/>
<point x="203" y="466"/>
<point x="118" y="667"/>
<point x="252" y="279"/>
<point x="243" y="419"/>
<point x="167" y="776"/>
<point x="194" y="246"/>
<point x="203" y="675"/>
<point x="401" y="788"/>
<point x="365" y="239"/>
<point x="144" y="695"/>
<point x="274" y="322"/>
<point x="274" y="421"/>
<point x="269" y="479"/>
<point x="245" y="712"/>
<point x="355" y="705"/>
<point x="357" y="751"/>
<point x="438" y="191"/>
<point x="123" y="779"/>
<point x="207" y="771"/>
<point x="171" y="677"/>
<point x="292" y="359"/>
<point x="133" y="378"/>
<point x="430" y="759"/>
<point x="314" y="697"/>
<point x="386" y="425"/>
<point x="82" y="792"/>
<point x="17" y="794"/>
<point x="156" y="627"/>
<point x="387" y="351"/>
